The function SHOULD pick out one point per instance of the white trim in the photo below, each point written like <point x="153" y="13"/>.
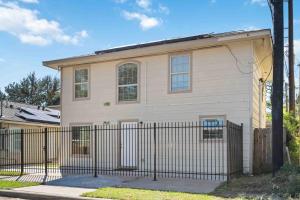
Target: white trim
<point x="88" y="83"/>
<point x="128" y="85"/>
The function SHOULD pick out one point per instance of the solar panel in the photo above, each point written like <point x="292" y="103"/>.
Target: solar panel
<point x="46" y="115"/>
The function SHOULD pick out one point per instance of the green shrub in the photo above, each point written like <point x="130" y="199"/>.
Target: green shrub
<point x="291" y="123"/>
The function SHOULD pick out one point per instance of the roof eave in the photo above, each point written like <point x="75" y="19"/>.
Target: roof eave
<point x="212" y="39"/>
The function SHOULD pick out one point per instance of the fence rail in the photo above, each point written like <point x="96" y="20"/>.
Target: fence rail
<point x="195" y="150"/>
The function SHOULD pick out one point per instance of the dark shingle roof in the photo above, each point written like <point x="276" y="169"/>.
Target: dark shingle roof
<point x="20" y="112"/>
<point x="175" y="40"/>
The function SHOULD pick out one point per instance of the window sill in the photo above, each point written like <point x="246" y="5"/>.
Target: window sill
<point x="127" y="102"/>
<point x="180" y="91"/>
<point x="81" y="99"/>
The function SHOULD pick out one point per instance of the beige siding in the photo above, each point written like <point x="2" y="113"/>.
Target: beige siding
<point x="209" y="159"/>
<point x="219" y="87"/>
<point x="33" y="144"/>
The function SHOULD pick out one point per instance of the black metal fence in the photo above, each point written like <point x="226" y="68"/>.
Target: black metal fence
<point x="196" y="150"/>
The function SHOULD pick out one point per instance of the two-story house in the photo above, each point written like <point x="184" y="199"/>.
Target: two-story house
<point x="211" y="76"/>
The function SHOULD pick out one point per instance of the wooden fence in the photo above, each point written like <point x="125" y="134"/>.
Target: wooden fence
<point x="262" y="158"/>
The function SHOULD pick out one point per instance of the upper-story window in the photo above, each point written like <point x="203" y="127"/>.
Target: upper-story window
<point x="180" y="73"/>
<point x="128" y="82"/>
<point x="81" y="83"/>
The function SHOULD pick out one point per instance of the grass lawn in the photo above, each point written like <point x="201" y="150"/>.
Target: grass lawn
<point x="139" y="194"/>
<point x="10" y="173"/>
<point x="15" y="184"/>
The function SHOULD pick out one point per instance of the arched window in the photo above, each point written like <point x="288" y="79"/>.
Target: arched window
<point x="128" y="82"/>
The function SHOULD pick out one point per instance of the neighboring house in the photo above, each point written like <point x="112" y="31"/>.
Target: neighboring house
<point x="32" y="119"/>
<point x="202" y="77"/>
<point x="19" y="115"/>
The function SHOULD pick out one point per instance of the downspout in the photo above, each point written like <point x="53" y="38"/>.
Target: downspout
<point x="260" y="86"/>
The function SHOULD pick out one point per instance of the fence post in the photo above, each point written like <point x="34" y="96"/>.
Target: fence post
<point x="228" y="151"/>
<point x="242" y="150"/>
<point x="154" y="179"/>
<point x="22" y="151"/>
<point x="46" y="151"/>
<point x="95" y="151"/>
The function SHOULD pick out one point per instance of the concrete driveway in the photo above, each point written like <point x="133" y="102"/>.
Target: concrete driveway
<point x="168" y="184"/>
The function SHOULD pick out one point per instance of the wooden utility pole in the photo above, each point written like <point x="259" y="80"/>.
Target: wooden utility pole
<point x="291" y="58"/>
<point x="277" y="96"/>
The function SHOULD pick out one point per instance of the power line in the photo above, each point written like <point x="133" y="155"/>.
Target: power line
<point x="238" y="62"/>
<point x="271" y="9"/>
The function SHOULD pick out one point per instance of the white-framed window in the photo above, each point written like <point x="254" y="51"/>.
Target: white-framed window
<point x="128" y="86"/>
<point x="213" y="127"/>
<point x="180" y="73"/>
<point x="81" y="83"/>
<point x="81" y="140"/>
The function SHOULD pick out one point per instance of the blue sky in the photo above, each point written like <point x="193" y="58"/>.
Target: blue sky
<point x="32" y="31"/>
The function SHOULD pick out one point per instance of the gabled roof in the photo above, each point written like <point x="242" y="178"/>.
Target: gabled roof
<point x="20" y="112"/>
<point x="135" y="50"/>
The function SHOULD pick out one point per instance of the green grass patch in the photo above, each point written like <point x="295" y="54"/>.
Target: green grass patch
<point x="15" y="184"/>
<point x="285" y="185"/>
<point x="141" y="194"/>
<point x="10" y="173"/>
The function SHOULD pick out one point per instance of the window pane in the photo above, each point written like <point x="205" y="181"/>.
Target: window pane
<point x="180" y="73"/>
<point x="127" y="74"/>
<point x="213" y="122"/>
<point x="81" y="75"/>
<point x="81" y="90"/>
<point x="212" y="133"/>
<point x="213" y="128"/>
<point x="180" y="82"/>
<point x="81" y="140"/>
<point x="180" y="64"/>
<point x="128" y="93"/>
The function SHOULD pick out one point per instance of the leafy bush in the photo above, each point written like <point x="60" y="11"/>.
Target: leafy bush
<point x="287" y="181"/>
<point x="291" y="123"/>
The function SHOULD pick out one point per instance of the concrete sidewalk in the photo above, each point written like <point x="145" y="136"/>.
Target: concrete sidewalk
<point x="47" y="193"/>
<point x="59" y="191"/>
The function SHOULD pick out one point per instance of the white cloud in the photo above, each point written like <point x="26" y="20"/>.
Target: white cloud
<point x="145" y="21"/>
<point x="30" y="1"/>
<point x="145" y="4"/>
<point x="164" y="9"/>
<point x="259" y="2"/>
<point x="29" y="28"/>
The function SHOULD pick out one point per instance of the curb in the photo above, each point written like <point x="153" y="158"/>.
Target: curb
<point x="37" y="196"/>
